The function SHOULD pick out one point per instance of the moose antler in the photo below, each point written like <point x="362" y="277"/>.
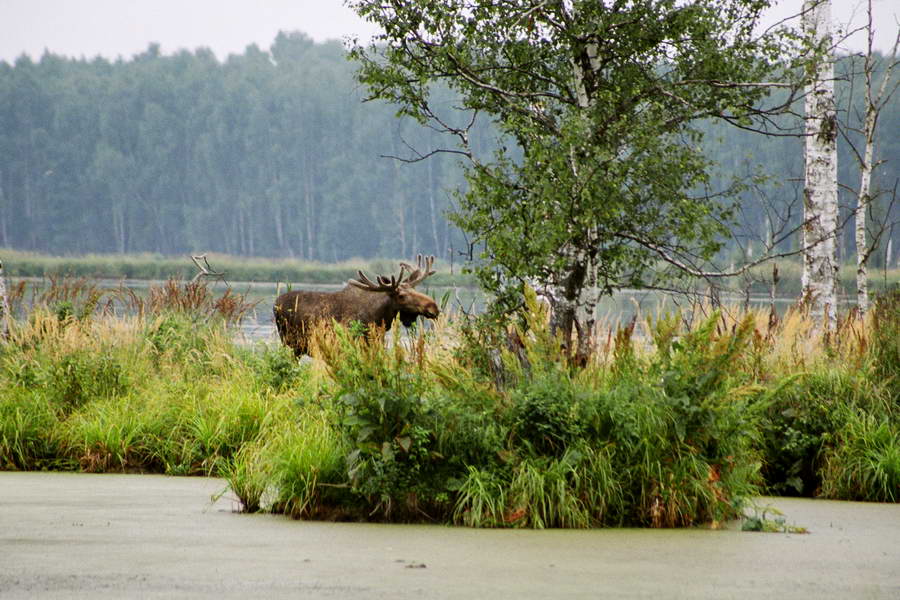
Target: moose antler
<point x="384" y="284"/>
<point x="423" y="269"/>
<point x="416" y="275"/>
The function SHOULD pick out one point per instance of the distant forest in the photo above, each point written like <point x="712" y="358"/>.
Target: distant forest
<point x="274" y="153"/>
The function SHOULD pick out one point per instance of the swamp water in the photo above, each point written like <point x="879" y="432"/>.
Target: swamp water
<point x="65" y="535"/>
<point x="257" y="326"/>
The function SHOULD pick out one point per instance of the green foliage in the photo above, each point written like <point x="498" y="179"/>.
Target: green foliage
<point x="296" y="467"/>
<point x="663" y="431"/>
<point x="864" y="462"/>
<point x="382" y="406"/>
<point x="601" y="166"/>
<point x="275" y="367"/>
<point x="885" y="342"/>
<point x="760" y="521"/>
<point x="309" y="467"/>
<point x="804" y="417"/>
<point x="28" y="425"/>
<point x="177" y="336"/>
<point x="80" y="377"/>
<point x="549" y="446"/>
<point x="112" y="436"/>
<point x="480" y="499"/>
<point x="547" y="415"/>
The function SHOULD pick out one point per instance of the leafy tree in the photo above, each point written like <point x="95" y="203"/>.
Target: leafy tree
<point x="602" y="173"/>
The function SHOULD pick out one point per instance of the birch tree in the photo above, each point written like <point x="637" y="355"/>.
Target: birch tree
<point x="820" y="265"/>
<point x="600" y="172"/>
<point x="874" y="101"/>
<point x="5" y="315"/>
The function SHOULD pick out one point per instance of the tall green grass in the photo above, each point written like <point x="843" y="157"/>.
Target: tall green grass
<point x="164" y="391"/>
<point x="671" y="424"/>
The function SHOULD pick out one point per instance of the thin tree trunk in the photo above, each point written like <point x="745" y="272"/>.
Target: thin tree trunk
<point x="862" y="207"/>
<point x="4" y="306"/>
<point x="574" y="298"/>
<point x="118" y="216"/>
<point x="251" y="232"/>
<point x="874" y="102"/>
<point x="820" y="193"/>
<point x="400" y="209"/>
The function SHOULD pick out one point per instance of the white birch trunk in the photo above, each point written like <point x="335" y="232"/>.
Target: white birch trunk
<point x="820" y="193"/>
<point x="874" y="102"/>
<point x="573" y="296"/>
<point x="862" y="206"/>
<point x="4" y="306"/>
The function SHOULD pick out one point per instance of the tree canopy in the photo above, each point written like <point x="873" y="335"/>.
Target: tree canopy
<point x="602" y="100"/>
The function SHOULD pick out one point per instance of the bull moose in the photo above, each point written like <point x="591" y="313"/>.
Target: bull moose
<point x="370" y="303"/>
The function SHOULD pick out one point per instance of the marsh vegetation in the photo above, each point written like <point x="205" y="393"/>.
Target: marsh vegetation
<point x="676" y="421"/>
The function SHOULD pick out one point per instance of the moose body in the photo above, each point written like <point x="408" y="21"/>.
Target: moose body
<point x="297" y="313"/>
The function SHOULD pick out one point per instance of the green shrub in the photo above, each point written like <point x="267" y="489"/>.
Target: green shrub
<point x="309" y="469"/>
<point x="28" y="431"/>
<point x="864" y="462"/>
<point x="112" y="435"/>
<point x="885" y="343"/>
<point x="481" y="499"/>
<point x="544" y="492"/>
<point x="295" y="466"/>
<point x="83" y="376"/>
<point x="381" y="401"/>
<point x="178" y="335"/>
<point x="217" y="429"/>
<point x="803" y="416"/>
<point x="275" y="367"/>
<point x="547" y="415"/>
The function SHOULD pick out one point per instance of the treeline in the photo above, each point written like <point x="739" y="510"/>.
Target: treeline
<point x="270" y="153"/>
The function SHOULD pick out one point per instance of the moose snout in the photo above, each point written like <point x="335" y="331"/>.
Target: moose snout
<point x="431" y="311"/>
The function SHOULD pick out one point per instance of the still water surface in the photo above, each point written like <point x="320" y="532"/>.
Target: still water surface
<point x="66" y="535"/>
<point x="620" y="308"/>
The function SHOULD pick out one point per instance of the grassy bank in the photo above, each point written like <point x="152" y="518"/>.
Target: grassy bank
<point x="161" y="268"/>
<point x="668" y="426"/>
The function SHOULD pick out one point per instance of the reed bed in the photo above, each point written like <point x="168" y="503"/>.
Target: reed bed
<point x="677" y="420"/>
<point x="156" y="267"/>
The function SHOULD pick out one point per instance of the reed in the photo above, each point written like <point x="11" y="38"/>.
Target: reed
<point x="675" y="422"/>
<point x="156" y="267"/>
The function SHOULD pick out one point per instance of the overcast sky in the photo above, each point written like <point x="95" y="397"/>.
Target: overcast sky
<point x="112" y="28"/>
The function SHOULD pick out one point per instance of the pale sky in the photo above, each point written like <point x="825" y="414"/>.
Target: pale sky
<point x="113" y="28"/>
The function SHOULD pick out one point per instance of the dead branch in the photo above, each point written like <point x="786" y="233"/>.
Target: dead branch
<point x="205" y="270"/>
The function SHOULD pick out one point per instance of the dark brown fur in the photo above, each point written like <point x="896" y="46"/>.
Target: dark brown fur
<point x="296" y="313"/>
